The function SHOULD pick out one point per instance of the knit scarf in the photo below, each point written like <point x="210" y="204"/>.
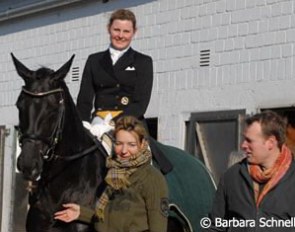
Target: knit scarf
<point x="270" y="176"/>
<point x="118" y="175"/>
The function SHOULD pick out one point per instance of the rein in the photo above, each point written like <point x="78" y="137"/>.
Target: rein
<point x="97" y="145"/>
<point x="77" y="155"/>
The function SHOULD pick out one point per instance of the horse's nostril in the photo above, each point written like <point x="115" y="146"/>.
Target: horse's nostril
<point x="30" y="170"/>
<point x="35" y="174"/>
<point x="31" y="175"/>
<point x="26" y="175"/>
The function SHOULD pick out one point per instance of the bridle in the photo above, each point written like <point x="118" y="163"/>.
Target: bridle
<point x="55" y="136"/>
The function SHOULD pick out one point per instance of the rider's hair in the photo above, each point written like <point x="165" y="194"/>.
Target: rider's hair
<point x="123" y="14"/>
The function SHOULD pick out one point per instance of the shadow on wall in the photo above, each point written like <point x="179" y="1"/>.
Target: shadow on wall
<point x="70" y="11"/>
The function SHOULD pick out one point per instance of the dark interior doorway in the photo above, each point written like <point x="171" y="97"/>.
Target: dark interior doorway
<point x="213" y="136"/>
<point x="288" y="113"/>
<point x="152" y="124"/>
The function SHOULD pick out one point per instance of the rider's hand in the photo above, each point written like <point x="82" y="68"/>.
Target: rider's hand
<point x="69" y="214"/>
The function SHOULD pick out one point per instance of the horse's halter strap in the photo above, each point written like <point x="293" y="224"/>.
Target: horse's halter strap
<point x="56" y="133"/>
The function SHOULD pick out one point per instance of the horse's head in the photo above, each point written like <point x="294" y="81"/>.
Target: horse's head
<point x="41" y="115"/>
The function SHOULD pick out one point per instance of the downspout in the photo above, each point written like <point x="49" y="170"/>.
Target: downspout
<point x="35" y="7"/>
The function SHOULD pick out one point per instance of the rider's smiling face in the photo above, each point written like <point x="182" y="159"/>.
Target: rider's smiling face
<point x="121" y="33"/>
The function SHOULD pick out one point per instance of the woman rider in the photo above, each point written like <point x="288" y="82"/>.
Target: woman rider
<point x="117" y="82"/>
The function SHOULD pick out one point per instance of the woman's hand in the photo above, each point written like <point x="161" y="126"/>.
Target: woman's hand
<point x="69" y="214"/>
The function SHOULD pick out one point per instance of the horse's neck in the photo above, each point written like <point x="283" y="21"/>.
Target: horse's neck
<point x="72" y="180"/>
<point x="81" y="179"/>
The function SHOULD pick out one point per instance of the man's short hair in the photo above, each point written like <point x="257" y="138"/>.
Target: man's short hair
<point x="271" y="123"/>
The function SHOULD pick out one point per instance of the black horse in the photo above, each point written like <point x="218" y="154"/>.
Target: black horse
<point x="57" y="154"/>
<point x="67" y="164"/>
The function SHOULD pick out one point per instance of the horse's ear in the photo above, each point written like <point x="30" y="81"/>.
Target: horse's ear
<point x="62" y="72"/>
<point x="21" y="69"/>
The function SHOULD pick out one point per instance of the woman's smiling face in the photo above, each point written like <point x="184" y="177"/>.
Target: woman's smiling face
<point x="121" y="33"/>
<point x="127" y="144"/>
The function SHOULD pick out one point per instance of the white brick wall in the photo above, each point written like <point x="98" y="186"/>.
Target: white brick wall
<point x="8" y="167"/>
<point x="249" y="41"/>
<point x="251" y="63"/>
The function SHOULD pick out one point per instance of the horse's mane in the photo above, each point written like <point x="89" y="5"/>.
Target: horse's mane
<point x="72" y="117"/>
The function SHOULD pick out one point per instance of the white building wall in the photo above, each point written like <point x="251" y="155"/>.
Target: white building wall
<point x="251" y="44"/>
<point x="8" y="169"/>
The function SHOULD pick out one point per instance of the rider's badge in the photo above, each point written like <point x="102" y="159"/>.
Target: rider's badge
<point x="125" y="101"/>
<point x="165" y="207"/>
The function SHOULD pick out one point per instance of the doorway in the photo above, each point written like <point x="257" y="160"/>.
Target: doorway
<point x="213" y="136"/>
<point x="2" y="144"/>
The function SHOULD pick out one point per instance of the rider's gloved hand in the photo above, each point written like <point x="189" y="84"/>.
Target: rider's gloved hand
<point x="100" y="126"/>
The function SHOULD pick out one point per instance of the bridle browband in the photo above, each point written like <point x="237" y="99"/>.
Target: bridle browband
<point x="41" y="94"/>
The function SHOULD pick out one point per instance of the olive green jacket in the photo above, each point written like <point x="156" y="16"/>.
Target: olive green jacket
<point x="143" y="206"/>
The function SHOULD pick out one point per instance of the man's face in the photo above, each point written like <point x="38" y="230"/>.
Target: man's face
<point x="256" y="146"/>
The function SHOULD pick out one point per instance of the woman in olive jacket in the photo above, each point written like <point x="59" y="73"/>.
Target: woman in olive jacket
<point x="136" y="193"/>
